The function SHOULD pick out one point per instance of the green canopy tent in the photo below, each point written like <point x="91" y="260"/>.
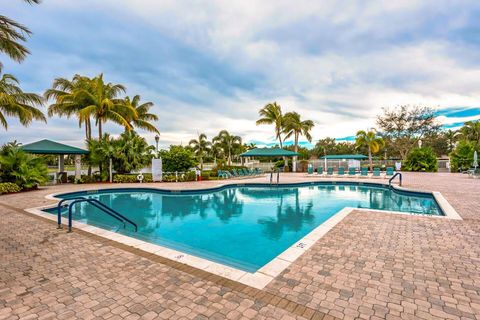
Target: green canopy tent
<point x="343" y="157"/>
<point x="269" y="153"/>
<point x="54" y="148"/>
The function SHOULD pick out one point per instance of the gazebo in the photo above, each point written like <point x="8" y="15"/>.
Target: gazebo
<point x="269" y="153"/>
<point x="54" y="148"/>
<point x="343" y="157"/>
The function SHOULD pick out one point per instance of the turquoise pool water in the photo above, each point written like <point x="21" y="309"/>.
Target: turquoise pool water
<point x="243" y="226"/>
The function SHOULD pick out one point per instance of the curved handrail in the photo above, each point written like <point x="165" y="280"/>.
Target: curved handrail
<point x="59" y="210"/>
<point x="393" y="177"/>
<point x="102" y="207"/>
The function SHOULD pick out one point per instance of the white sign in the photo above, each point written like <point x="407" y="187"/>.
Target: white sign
<point x="157" y="170"/>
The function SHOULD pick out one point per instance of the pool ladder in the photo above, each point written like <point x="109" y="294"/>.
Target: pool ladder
<point x="278" y="176"/>
<point x="97" y="204"/>
<point x="393" y="177"/>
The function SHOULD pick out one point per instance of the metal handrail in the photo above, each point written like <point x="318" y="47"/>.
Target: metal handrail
<point x="393" y="177"/>
<point x="97" y="204"/>
<point x="271" y="176"/>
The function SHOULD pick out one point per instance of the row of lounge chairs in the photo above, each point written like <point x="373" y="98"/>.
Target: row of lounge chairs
<point x="352" y="172"/>
<point x="239" y="173"/>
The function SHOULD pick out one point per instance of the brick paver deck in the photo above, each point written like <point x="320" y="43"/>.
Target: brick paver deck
<point x="370" y="266"/>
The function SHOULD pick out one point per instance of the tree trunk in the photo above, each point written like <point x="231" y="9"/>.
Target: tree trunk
<point x="201" y="163"/>
<point x="100" y="133"/>
<point x="295" y="158"/>
<point x="370" y="158"/>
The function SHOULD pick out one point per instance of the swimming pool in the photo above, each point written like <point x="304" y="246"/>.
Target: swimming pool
<point x="240" y="226"/>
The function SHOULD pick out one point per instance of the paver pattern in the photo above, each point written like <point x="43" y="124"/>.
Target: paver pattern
<point x="370" y="266"/>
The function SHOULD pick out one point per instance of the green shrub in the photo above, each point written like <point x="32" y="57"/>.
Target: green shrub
<point x="421" y="159"/>
<point x="177" y="158"/>
<point x="9" y="187"/>
<point x="25" y="170"/>
<point x="461" y="158"/>
<point x="131" y="178"/>
<point x="85" y="179"/>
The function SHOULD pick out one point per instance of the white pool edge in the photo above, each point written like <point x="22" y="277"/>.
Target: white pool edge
<point x="263" y="276"/>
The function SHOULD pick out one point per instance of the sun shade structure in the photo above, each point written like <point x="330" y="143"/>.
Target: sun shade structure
<point x="54" y="148"/>
<point x="269" y="152"/>
<point x="51" y="147"/>
<point x="345" y="157"/>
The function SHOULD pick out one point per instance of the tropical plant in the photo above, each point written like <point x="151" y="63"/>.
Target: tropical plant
<point x="371" y="141"/>
<point x="16" y="103"/>
<point x="132" y="152"/>
<point x="229" y="143"/>
<point x="421" y="159"/>
<point x="141" y="118"/>
<point x="294" y="126"/>
<point x="461" y="158"/>
<point x="272" y="114"/>
<point x="470" y="131"/>
<point x="177" y="158"/>
<point x="9" y="187"/>
<point x="25" y="170"/>
<point x="69" y="100"/>
<point x="11" y="34"/>
<point x="200" y="147"/>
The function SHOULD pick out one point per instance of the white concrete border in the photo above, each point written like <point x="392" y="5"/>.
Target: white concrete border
<point x="268" y="272"/>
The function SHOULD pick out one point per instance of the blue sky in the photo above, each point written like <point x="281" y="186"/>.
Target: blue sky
<point x="210" y="65"/>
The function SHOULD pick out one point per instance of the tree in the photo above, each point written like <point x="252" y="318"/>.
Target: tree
<point x="133" y="152"/>
<point x="470" y="132"/>
<point x="405" y="125"/>
<point x="142" y="118"/>
<point x="200" y="147"/>
<point x="104" y="104"/>
<point x="421" y="159"/>
<point x="12" y="34"/>
<point x="371" y="141"/>
<point x="69" y="100"/>
<point x="16" y="103"/>
<point x="228" y="143"/>
<point x="461" y="157"/>
<point x="272" y="114"/>
<point x="177" y="158"/>
<point x="293" y="125"/>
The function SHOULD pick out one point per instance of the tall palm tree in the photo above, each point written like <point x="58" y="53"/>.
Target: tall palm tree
<point x="142" y="118"/>
<point x="272" y="114"/>
<point x="68" y="101"/>
<point x="228" y="142"/>
<point x="11" y="34"/>
<point x="216" y="150"/>
<point x="293" y="125"/>
<point x="470" y="131"/>
<point x="104" y="104"/>
<point x="200" y="147"/>
<point x="371" y="141"/>
<point x="16" y="103"/>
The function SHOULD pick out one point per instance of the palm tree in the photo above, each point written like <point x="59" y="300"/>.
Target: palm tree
<point x="143" y="118"/>
<point x="200" y="147"/>
<point x="293" y="125"/>
<point x="11" y="34"/>
<point x="228" y="143"/>
<point x="272" y="114"/>
<point x="371" y="141"/>
<point x="67" y="100"/>
<point x="16" y="103"/>
<point x="216" y="150"/>
<point x="470" y="131"/>
<point x="103" y="104"/>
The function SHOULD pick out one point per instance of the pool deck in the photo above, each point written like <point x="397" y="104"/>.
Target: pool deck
<point x="370" y="265"/>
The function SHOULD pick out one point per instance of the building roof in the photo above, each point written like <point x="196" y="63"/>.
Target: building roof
<point x="344" y="156"/>
<point x="51" y="147"/>
<point x="269" y="152"/>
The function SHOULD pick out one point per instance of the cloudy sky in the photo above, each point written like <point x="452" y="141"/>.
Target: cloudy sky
<point x="211" y="65"/>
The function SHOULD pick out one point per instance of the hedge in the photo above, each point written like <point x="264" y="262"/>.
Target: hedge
<point x="131" y="178"/>
<point x="9" y="187"/>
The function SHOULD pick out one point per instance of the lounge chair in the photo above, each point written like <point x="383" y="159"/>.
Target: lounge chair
<point x="320" y="171"/>
<point x="352" y="171"/>
<point x="330" y="171"/>
<point x="310" y="169"/>
<point x="258" y="171"/>
<point x="364" y="172"/>
<point x="389" y="172"/>
<point x="341" y="172"/>
<point x="235" y="173"/>
<point x="376" y="173"/>
<point x="245" y="172"/>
